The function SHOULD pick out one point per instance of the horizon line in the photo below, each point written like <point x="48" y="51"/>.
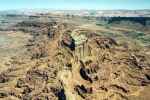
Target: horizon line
<point x="68" y="9"/>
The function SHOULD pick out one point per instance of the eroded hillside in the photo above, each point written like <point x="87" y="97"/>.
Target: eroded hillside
<point x="58" y="60"/>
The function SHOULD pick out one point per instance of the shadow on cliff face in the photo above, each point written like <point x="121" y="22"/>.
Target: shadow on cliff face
<point x="60" y="93"/>
<point x="68" y="41"/>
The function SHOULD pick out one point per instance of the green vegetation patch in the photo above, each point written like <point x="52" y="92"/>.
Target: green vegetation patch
<point x="140" y="36"/>
<point x="135" y="35"/>
<point x="145" y="39"/>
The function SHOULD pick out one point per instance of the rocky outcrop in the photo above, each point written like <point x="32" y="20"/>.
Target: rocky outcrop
<point x="75" y="66"/>
<point x="105" y="69"/>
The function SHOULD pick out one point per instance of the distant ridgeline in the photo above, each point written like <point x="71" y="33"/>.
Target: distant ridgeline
<point x="145" y="21"/>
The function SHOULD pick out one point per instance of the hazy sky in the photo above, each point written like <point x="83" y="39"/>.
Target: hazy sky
<point x="74" y="4"/>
